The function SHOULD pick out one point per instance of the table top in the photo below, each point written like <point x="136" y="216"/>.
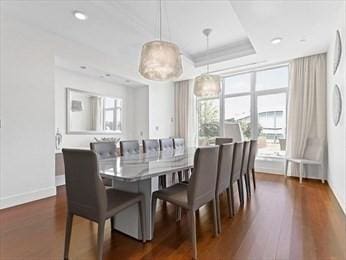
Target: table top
<point x="143" y="166"/>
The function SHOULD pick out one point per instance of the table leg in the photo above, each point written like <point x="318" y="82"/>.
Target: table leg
<point x="128" y="221"/>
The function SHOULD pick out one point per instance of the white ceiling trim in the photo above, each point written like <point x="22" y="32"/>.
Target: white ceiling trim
<point x="235" y="50"/>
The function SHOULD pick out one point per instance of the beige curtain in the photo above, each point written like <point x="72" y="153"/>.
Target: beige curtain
<point x="306" y="104"/>
<point x="184" y="111"/>
<point x="96" y="113"/>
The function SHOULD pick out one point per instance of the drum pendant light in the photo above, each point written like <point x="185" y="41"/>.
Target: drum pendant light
<point x="160" y="60"/>
<point x="207" y="85"/>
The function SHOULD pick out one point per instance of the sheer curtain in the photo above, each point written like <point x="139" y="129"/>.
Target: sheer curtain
<point x="185" y="115"/>
<point x="306" y="104"/>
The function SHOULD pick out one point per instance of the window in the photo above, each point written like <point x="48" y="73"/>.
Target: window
<point x="271" y="115"/>
<point x="112" y="114"/>
<point x="257" y="101"/>
<point x="237" y="110"/>
<point x="208" y="120"/>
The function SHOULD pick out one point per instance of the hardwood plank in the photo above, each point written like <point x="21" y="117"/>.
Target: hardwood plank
<point x="282" y="220"/>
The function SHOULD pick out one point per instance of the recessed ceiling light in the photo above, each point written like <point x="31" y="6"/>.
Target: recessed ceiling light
<point x="276" y="40"/>
<point x="107" y="75"/>
<point x="80" y="16"/>
<point x="303" y="40"/>
<point x="127" y="81"/>
<point x="83" y="67"/>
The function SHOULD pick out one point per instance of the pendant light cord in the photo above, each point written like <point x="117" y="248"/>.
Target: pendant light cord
<point x="207" y="53"/>
<point x="160" y="20"/>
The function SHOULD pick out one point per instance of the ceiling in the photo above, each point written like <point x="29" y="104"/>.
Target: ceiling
<point x="241" y="36"/>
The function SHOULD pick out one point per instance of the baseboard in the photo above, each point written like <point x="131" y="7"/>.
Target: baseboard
<point x="342" y="203"/>
<point x="59" y="180"/>
<point x="22" y="198"/>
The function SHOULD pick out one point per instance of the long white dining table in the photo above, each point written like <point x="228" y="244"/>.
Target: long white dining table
<point x="139" y="173"/>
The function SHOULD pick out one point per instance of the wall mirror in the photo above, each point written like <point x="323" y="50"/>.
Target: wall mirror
<point x="91" y="113"/>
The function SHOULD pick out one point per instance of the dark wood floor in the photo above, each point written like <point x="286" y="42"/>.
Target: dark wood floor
<point x="283" y="220"/>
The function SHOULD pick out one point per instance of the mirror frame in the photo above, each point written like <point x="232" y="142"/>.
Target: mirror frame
<point x="88" y="132"/>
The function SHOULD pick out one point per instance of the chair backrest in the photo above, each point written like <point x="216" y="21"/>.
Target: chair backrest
<point x="202" y="183"/>
<point x="129" y="147"/>
<point x="151" y="145"/>
<point x="314" y="149"/>
<point x="166" y="144"/>
<point x="253" y="152"/>
<point x="237" y="162"/>
<point x="178" y="143"/>
<point x="224" y="167"/>
<point x="86" y="194"/>
<point x="246" y="155"/>
<point x="223" y="140"/>
<point x="104" y="150"/>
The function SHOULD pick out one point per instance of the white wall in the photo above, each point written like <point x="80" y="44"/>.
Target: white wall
<point x="336" y="134"/>
<point x="27" y="114"/>
<point x="68" y="79"/>
<point x="161" y="110"/>
<point x="141" y="117"/>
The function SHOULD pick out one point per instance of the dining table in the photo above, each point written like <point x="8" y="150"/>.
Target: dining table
<point x="139" y="173"/>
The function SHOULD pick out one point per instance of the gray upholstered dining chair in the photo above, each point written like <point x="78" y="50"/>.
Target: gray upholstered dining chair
<point x="129" y="147"/>
<point x="199" y="191"/>
<point x="178" y="143"/>
<point x="252" y="158"/>
<point x="104" y="150"/>
<point x="151" y="145"/>
<point x="224" y="178"/>
<point x="245" y="167"/>
<point x="223" y="140"/>
<point x="236" y="173"/>
<point x="88" y="198"/>
<point x="166" y="144"/>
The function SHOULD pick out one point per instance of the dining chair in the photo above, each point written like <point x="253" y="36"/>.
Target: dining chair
<point x="252" y="158"/>
<point x="236" y="173"/>
<point x="129" y="147"/>
<point x="178" y="143"/>
<point x="88" y="198"/>
<point x="245" y="167"/>
<point x="313" y="155"/>
<point x="199" y="191"/>
<point x="166" y="144"/>
<point x="223" y="140"/>
<point x="152" y="146"/>
<point x="224" y="178"/>
<point x="104" y="150"/>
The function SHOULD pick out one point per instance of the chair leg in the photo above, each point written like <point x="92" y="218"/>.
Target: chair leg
<point x="142" y="219"/>
<point x="69" y="221"/>
<point x="228" y="191"/>
<point x="322" y="172"/>
<point x="215" y="217"/>
<point x="253" y="178"/>
<point x="153" y="212"/>
<point x="286" y="167"/>
<point x="217" y="200"/>
<point x="186" y="175"/>
<point x="100" y="237"/>
<point x="180" y="176"/>
<point x="240" y="191"/>
<point x="301" y="172"/>
<point x="178" y="214"/>
<point x="247" y="185"/>
<point x="112" y="224"/>
<point x="192" y="220"/>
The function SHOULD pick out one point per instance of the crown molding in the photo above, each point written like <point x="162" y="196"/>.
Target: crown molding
<point x="228" y="52"/>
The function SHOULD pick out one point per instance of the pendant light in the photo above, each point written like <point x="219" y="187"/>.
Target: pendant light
<point x="160" y="60"/>
<point x="207" y="85"/>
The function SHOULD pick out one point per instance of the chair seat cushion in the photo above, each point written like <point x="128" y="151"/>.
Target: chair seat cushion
<point x="176" y="194"/>
<point x="302" y="160"/>
<point x="118" y="200"/>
